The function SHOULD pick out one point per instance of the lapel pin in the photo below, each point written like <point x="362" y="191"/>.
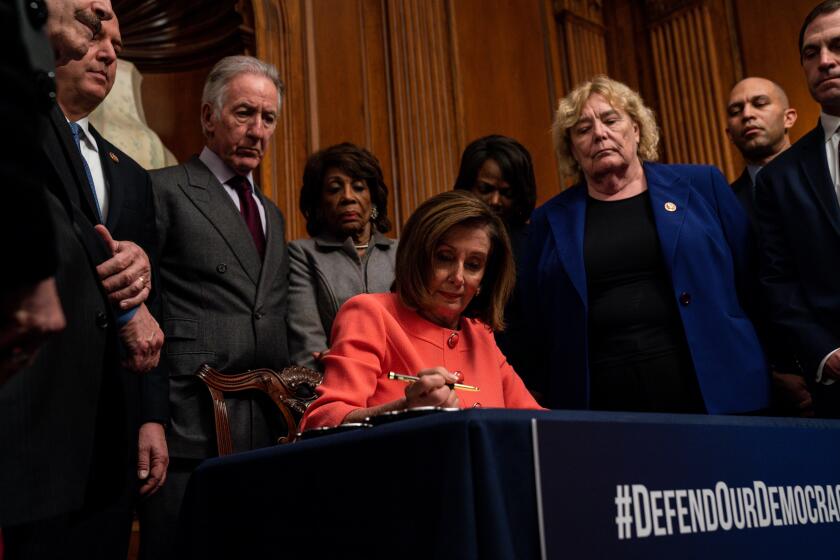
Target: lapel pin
<point x="114" y="157"/>
<point x="670" y="207"/>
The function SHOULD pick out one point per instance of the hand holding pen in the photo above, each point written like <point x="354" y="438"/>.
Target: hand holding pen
<point x="433" y="387"/>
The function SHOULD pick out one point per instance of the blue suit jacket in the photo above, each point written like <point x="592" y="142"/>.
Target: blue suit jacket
<point x="704" y="244"/>
<point x="799" y="220"/>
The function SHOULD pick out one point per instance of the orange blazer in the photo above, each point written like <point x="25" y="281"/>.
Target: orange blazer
<point x="374" y="334"/>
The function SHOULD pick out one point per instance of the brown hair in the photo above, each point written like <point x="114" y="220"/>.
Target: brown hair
<point x="423" y="232"/>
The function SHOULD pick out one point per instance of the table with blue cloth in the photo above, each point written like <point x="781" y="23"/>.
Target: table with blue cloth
<point x="464" y="485"/>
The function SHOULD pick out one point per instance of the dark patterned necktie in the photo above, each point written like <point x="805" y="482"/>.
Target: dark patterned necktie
<point x="250" y="212"/>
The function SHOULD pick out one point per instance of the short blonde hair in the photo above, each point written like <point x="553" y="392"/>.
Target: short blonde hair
<point x="423" y="232"/>
<point x="619" y="96"/>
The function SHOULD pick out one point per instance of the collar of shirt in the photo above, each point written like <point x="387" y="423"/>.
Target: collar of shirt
<point x="90" y="141"/>
<point x="223" y="174"/>
<point x="753" y="171"/>
<point x="90" y="152"/>
<point x="829" y="123"/>
<point x="219" y="168"/>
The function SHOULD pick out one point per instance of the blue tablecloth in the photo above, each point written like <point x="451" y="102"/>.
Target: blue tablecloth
<point x="462" y="485"/>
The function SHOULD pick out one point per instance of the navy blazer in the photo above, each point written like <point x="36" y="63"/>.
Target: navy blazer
<point x="704" y="243"/>
<point x="799" y="220"/>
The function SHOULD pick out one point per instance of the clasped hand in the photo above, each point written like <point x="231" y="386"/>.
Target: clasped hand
<point x="126" y="277"/>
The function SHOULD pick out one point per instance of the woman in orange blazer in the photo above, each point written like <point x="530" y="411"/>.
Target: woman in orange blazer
<point x="454" y="273"/>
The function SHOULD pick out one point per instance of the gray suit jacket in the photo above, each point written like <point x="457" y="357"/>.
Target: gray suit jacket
<point x="326" y="272"/>
<point x="221" y="305"/>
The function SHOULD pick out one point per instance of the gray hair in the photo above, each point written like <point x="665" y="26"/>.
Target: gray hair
<point x="228" y="68"/>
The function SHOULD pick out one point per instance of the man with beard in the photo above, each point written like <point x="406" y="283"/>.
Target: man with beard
<point x="759" y="119"/>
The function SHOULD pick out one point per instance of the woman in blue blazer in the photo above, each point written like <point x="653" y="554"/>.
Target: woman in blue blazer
<point x="632" y="276"/>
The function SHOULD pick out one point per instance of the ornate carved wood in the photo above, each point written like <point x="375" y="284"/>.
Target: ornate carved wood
<point x="423" y="89"/>
<point x="167" y="36"/>
<point x="278" y="34"/>
<point x="581" y="26"/>
<point x="291" y="389"/>
<point x="691" y="87"/>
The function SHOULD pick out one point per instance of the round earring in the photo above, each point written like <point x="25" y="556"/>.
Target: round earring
<point x="374" y="213"/>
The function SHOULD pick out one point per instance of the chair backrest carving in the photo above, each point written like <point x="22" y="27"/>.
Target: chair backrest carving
<point x="291" y="389"/>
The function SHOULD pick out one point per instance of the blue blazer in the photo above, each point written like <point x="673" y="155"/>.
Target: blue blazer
<point x="704" y="243"/>
<point x="799" y="221"/>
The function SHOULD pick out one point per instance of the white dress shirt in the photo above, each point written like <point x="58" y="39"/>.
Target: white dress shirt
<point x="224" y="173"/>
<point x="90" y="151"/>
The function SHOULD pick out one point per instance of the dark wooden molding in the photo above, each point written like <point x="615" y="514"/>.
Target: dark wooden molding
<point x="166" y="36"/>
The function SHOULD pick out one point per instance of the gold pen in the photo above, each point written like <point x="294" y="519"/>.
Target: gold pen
<point x="409" y="378"/>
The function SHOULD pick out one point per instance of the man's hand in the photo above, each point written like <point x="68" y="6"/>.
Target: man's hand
<point x="831" y="370"/>
<point x="792" y="391"/>
<point x="72" y="25"/>
<point x="142" y="339"/>
<point x="27" y="318"/>
<point x="127" y="276"/>
<point x="152" y="458"/>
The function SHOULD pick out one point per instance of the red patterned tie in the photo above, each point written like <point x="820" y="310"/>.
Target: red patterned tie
<point x="250" y="212"/>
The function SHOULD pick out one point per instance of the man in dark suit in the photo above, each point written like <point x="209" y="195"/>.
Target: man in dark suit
<point x="119" y="197"/>
<point x="65" y="423"/>
<point x="759" y="118"/>
<point x="799" y="220"/>
<point x="224" y="273"/>
<point x="29" y="306"/>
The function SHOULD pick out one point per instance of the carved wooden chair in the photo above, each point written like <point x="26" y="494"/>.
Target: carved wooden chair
<point x="291" y="389"/>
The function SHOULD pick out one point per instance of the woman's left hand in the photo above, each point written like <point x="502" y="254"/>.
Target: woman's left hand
<point x="433" y="389"/>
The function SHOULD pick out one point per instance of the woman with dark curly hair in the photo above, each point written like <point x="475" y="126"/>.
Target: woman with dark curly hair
<point x="345" y="202"/>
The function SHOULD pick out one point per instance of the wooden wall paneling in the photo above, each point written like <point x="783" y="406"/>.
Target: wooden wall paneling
<point x="378" y="105"/>
<point x="508" y="78"/>
<point x="348" y="79"/>
<point x="279" y="40"/>
<point x="339" y="87"/>
<point x="768" y="38"/>
<point x="690" y="86"/>
<point x="722" y="77"/>
<point x="554" y="63"/>
<point x="626" y="43"/>
<point x="670" y="115"/>
<point x="172" y="105"/>
<point x="715" y="105"/>
<point x="426" y="139"/>
<point x="583" y="40"/>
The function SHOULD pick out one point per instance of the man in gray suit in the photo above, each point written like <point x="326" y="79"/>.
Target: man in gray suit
<point x="224" y="273"/>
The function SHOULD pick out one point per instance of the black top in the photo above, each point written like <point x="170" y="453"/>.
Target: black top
<point x="638" y="356"/>
<point x="632" y="311"/>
